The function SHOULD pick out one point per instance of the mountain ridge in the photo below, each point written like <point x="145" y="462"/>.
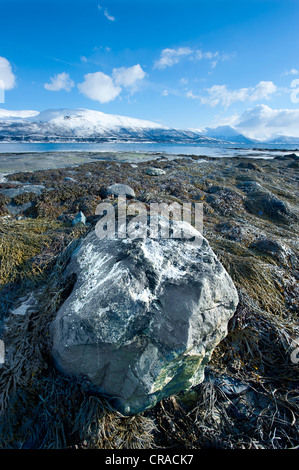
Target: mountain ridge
<point x="84" y="125"/>
<point x="80" y="124"/>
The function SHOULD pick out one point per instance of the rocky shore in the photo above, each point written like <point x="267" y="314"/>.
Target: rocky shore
<point x="249" y="396"/>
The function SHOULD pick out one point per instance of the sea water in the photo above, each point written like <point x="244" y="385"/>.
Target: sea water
<point x="15" y="157"/>
<point x="217" y="150"/>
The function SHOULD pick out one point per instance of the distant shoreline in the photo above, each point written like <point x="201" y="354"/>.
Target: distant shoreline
<point x="212" y="150"/>
<point x="12" y="162"/>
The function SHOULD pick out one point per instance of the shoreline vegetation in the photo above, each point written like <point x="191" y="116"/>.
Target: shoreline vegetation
<point x="249" y="398"/>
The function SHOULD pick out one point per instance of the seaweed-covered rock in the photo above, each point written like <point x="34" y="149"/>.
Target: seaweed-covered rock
<point x="15" y="209"/>
<point x="250" y="186"/>
<point x="265" y="203"/>
<point x="264" y="245"/>
<point x="143" y="317"/>
<point x="234" y="231"/>
<point x="225" y="200"/>
<point x="294" y="164"/>
<point x="260" y="201"/>
<point x="292" y="156"/>
<point x="275" y="249"/>
<point x="3" y="201"/>
<point x="23" y="198"/>
<point x="249" y="166"/>
<point x="25" y="190"/>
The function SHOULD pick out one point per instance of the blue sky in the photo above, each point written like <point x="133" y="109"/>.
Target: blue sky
<point x="184" y="64"/>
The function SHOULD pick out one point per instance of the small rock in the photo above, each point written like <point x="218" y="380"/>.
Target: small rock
<point x="79" y="219"/>
<point x="248" y="166"/>
<point x="267" y="246"/>
<point x="274" y="249"/>
<point x="28" y="188"/>
<point x="155" y="171"/>
<point x="215" y="189"/>
<point x="260" y="201"/>
<point x="233" y="231"/>
<point x="265" y="203"/>
<point x="294" y="164"/>
<point x="230" y="386"/>
<point x="187" y="399"/>
<point x="250" y="186"/>
<point x="27" y="303"/>
<point x="15" y="209"/>
<point x="288" y="155"/>
<point x="67" y="178"/>
<point x="118" y="189"/>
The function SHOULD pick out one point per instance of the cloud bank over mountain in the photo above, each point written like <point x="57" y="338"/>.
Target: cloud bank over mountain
<point x="263" y="122"/>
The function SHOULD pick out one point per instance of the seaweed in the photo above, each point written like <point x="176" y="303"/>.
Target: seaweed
<point x="43" y="408"/>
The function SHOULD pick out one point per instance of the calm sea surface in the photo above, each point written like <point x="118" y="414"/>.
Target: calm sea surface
<point x="15" y="157"/>
<point x="185" y="149"/>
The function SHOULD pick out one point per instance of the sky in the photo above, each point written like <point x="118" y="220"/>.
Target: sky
<point x="187" y="64"/>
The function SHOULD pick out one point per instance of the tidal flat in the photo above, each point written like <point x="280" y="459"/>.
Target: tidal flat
<point x="249" y="398"/>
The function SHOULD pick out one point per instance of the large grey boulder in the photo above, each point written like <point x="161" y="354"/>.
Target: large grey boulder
<point x="143" y="318"/>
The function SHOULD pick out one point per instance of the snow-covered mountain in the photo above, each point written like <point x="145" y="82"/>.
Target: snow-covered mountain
<point x="283" y="139"/>
<point x="83" y="125"/>
<point x="228" y="134"/>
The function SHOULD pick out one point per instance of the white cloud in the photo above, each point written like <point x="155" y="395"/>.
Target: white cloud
<point x="262" y="91"/>
<point x="9" y="114"/>
<point x="103" y="88"/>
<point x="184" y="81"/>
<point x="61" y="81"/>
<point x="106" y="13"/>
<point x="108" y="16"/>
<point x="7" y="77"/>
<point x="170" y="57"/>
<point x="128" y="76"/>
<point x="262" y="122"/>
<point x="290" y="72"/>
<point x="99" y="87"/>
<point x="191" y="95"/>
<point x="220" y="94"/>
<point x="212" y="56"/>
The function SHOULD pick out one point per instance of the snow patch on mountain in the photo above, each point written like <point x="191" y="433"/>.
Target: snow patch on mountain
<point x="74" y="118"/>
<point x="283" y="139"/>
